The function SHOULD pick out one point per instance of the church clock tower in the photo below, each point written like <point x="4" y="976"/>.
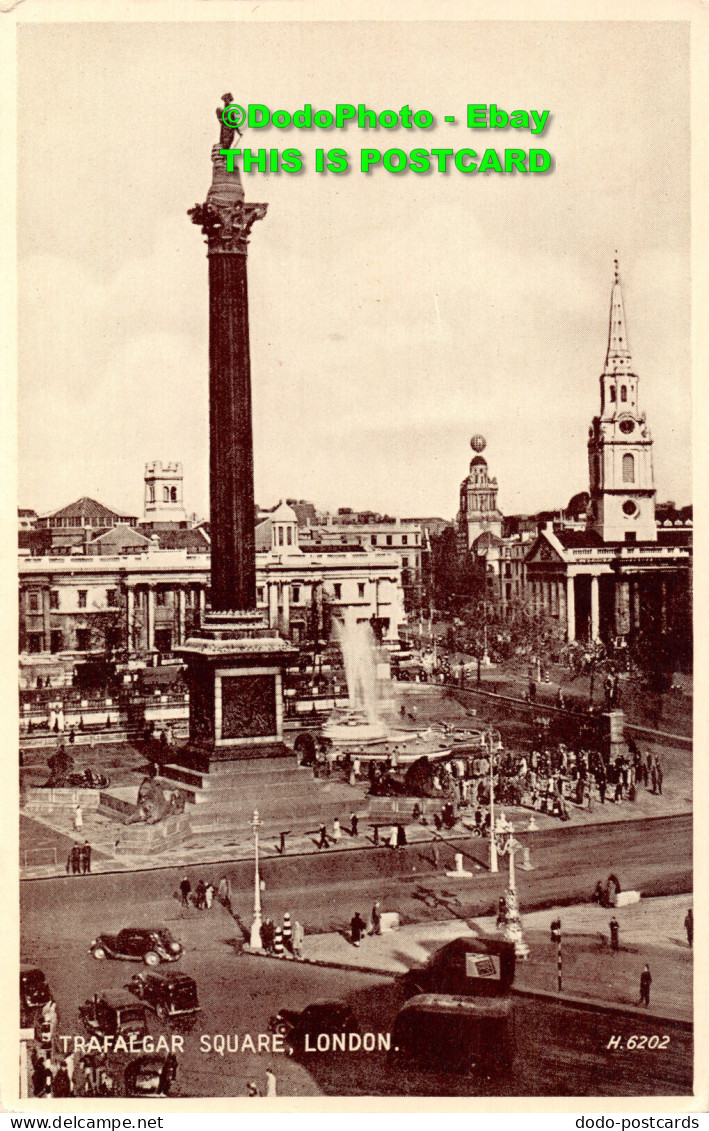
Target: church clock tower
<point x="622" y="485"/>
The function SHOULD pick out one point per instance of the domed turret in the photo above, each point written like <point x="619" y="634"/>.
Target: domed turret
<point x="478" y="443"/>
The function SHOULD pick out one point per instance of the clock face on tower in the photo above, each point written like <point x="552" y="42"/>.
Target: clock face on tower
<point x="627" y="426"/>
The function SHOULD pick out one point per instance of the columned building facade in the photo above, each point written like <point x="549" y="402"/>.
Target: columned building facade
<point x="625" y="576"/>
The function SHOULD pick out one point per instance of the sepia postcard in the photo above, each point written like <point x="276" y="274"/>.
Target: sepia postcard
<point x="350" y="542"/>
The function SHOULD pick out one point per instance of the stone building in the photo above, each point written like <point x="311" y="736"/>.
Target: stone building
<point x="625" y="574"/>
<point x="146" y="601"/>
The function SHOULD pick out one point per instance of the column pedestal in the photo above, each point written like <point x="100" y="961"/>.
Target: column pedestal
<point x="235" y="676"/>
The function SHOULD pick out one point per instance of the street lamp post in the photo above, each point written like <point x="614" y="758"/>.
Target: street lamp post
<point x="493" y="842"/>
<point x="255" y="939"/>
<point x="510" y="921"/>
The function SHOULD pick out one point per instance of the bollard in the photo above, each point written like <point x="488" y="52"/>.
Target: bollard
<point x="278" y="943"/>
<point x="459" y="870"/>
<point x="287" y="932"/>
<point x="526" y="863"/>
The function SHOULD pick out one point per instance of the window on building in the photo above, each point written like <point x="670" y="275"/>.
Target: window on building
<point x="611" y="393"/>
<point x="33" y="602"/>
<point x="389" y="540"/>
<point x="34" y="641"/>
<point x="113" y="638"/>
<point x="360" y="589"/>
<point x="508" y="569"/>
<point x="623" y="393"/>
<point x="405" y="561"/>
<point x="337" y="589"/>
<point x="112" y="598"/>
<point x="628" y="468"/>
<point x="56" y="640"/>
<point x="166" y="494"/>
<point x="404" y="539"/>
<point x="54" y="599"/>
<point x="259" y="595"/>
<point x="160" y="596"/>
<point x="289" y="535"/>
<point x="374" y="539"/>
<point x="83" y="639"/>
<point x="631" y="536"/>
<point x="173" y="494"/>
<point x="151" y="492"/>
<point x="82" y="594"/>
<point x="508" y="591"/>
<point x="296" y="594"/>
<point x="280" y="535"/>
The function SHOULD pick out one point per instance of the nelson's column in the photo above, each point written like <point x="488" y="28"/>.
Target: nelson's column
<point x="234" y="663"/>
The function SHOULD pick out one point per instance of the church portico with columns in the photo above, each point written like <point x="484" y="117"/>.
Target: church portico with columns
<point x="626" y="576"/>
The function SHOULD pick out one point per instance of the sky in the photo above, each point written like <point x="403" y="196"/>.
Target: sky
<point x="391" y="316"/>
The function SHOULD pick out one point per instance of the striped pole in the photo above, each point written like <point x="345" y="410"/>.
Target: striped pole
<point x="287" y="932"/>
<point x="278" y="943"/>
<point x="556" y="936"/>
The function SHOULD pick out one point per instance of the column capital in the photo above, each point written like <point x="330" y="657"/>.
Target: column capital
<point x="227" y="226"/>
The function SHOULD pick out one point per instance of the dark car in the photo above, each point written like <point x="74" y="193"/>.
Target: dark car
<point x="320" y="1017"/>
<point x="171" y="996"/>
<point x="457" y="1034"/>
<point x="34" y="993"/>
<point x="151" y="945"/>
<point x="113" y="1013"/>
<point x="151" y="1075"/>
<point x="474" y="967"/>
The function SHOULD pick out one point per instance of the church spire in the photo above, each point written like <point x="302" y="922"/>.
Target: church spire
<point x="618" y="360"/>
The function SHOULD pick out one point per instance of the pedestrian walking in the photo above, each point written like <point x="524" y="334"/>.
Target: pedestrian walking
<point x="614" y="927"/>
<point x="436" y="856"/>
<point x="39" y="1077"/>
<point x="78" y="818"/>
<point x="336" y="831"/>
<point x="61" y="1084"/>
<point x="224" y="891"/>
<point x="298" y="938"/>
<point x="270" y="1083"/>
<point x="185" y="889"/>
<point x="323" y="842"/>
<point x="653" y="777"/>
<point x="357" y="928"/>
<point x="268" y="932"/>
<point x="199" y="894"/>
<point x="376" y="918"/>
<point x="659" y="775"/>
<point x="354" y="825"/>
<point x="85" y="854"/>
<point x="393" y="837"/>
<point x="689" y="927"/>
<point x="287" y="933"/>
<point x="645" y="983"/>
<point x="400" y="836"/>
<point x="75" y="860"/>
<point x="208" y="896"/>
<point x="72" y="736"/>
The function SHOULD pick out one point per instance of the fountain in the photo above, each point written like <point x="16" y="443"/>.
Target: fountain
<point x="359" y="721"/>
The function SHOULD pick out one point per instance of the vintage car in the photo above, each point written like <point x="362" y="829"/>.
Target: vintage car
<point x="34" y="993"/>
<point x="320" y="1017"/>
<point x="151" y="945"/>
<point x="151" y="1075"/>
<point x="170" y="996"/>
<point x="474" y="967"/>
<point x="455" y="1034"/>
<point x="114" y="1013"/>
